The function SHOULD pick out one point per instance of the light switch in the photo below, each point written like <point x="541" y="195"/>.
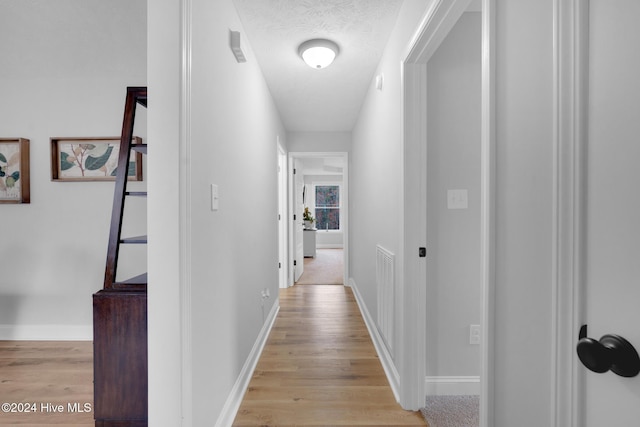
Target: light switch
<point x="214" y="197"/>
<point x="457" y="199"/>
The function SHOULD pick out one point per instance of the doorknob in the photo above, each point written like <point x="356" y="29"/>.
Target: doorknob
<point x="611" y="352"/>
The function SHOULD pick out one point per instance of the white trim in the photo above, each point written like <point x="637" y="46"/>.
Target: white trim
<point x="378" y="342"/>
<point x="438" y="20"/>
<point x="283" y="210"/>
<point x="46" y="332"/>
<point x="487" y="216"/>
<point x="436" y="24"/>
<point x="185" y="221"/>
<point x="411" y="271"/>
<point x="570" y="134"/>
<point x="452" y="386"/>
<point x="231" y="406"/>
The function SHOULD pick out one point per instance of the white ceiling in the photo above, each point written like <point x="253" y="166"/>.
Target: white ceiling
<point x="322" y="165"/>
<point x="329" y="99"/>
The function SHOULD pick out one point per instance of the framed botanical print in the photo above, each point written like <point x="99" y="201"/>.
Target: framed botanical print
<point x="91" y="159"/>
<point x="14" y="170"/>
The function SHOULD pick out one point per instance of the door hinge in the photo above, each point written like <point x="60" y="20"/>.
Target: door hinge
<point x="278" y="217"/>
<point x="294" y="217"/>
<point x="294" y="171"/>
<point x="422" y="252"/>
<point x="279" y="265"/>
<point x="295" y="262"/>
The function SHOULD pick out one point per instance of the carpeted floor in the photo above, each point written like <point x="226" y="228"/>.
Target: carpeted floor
<point x="325" y="269"/>
<point x="452" y="411"/>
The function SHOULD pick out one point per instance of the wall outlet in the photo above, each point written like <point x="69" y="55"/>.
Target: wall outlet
<point x="457" y="199"/>
<point x="474" y="334"/>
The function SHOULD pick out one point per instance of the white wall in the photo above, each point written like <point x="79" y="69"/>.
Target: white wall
<point x="319" y="141"/>
<point x="375" y="179"/>
<point x="169" y="378"/>
<point x="524" y="133"/>
<point x="524" y="138"/>
<point x="231" y="142"/>
<point x="64" y="68"/>
<point x="453" y="235"/>
<point x="524" y="124"/>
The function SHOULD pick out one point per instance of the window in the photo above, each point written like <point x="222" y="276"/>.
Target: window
<point x="327" y="207"/>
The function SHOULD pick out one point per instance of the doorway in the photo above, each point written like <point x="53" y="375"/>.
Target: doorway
<point x="449" y="165"/>
<point x="318" y="182"/>
<point x="453" y="211"/>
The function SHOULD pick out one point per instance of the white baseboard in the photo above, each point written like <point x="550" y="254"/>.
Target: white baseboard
<point x="46" y="332"/>
<point x="329" y="246"/>
<point x="230" y="409"/>
<point x="449" y="386"/>
<point x="383" y="354"/>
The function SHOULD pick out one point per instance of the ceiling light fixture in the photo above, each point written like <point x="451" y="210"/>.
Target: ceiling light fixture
<point x="318" y="53"/>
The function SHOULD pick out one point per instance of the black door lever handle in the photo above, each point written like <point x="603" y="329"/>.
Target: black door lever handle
<point x="611" y="352"/>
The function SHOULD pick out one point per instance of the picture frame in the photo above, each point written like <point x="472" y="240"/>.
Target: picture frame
<point x="14" y="170"/>
<point x="91" y="159"/>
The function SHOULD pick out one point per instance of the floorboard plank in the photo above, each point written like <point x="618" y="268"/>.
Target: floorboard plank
<point x="46" y="375"/>
<point x="319" y="367"/>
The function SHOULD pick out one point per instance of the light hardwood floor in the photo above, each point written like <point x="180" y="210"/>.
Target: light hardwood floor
<point x="319" y="367"/>
<point x="46" y="383"/>
<point x="326" y="268"/>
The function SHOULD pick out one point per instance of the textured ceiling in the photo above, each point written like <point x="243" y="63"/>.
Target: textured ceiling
<point x="318" y="100"/>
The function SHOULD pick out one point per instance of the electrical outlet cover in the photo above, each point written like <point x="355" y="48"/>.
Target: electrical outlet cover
<point x="474" y="334"/>
<point x="457" y="199"/>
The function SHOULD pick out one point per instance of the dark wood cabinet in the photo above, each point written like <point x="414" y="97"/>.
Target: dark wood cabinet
<point x="120" y="308"/>
<point x="120" y="358"/>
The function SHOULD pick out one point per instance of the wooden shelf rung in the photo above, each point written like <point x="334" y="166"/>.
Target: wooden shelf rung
<point x="136" y="193"/>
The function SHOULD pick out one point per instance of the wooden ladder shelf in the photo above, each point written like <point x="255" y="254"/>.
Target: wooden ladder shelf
<point x="120" y="307"/>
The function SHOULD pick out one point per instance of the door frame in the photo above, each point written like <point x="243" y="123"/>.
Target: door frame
<point x="344" y="206"/>
<point x="283" y="212"/>
<point x="570" y="135"/>
<point x="438" y="21"/>
<point x="291" y="227"/>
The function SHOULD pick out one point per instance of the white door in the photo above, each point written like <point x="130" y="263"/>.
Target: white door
<point x="298" y="180"/>
<point x="612" y="205"/>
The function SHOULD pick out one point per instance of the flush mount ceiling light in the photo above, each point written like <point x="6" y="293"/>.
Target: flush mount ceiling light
<point x="318" y="53"/>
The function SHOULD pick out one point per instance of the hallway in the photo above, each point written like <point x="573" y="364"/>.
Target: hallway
<point x="319" y="367"/>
